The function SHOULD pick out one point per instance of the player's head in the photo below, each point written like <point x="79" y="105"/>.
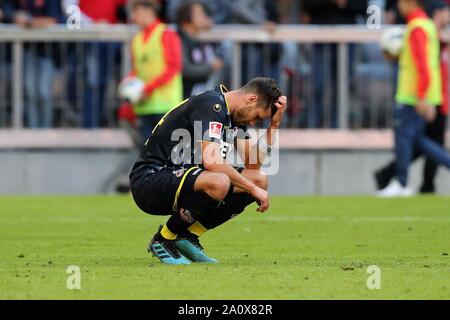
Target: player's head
<point x="439" y="11"/>
<point x="405" y="7"/>
<point x="144" y="12"/>
<point x="192" y="14"/>
<point x="258" y="98"/>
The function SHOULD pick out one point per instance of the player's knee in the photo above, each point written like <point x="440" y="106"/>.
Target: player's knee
<point x="261" y="180"/>
<point x="219" y="186"/>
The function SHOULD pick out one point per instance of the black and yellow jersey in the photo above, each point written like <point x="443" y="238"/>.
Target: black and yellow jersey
<point x="176" y="140"/>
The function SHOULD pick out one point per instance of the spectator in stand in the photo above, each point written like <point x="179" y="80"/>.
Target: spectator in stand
<point x="99" y="56"/>
<point x="40" y="60"/>
<point x="392" y="16"/>
<point x="258" y="60"/>
<point x="324" y="65"/>
<point x="6" y="16"/>
<point x="7" y="8"/>
<point x="439" y="11"/>
<point x="260" y="12"/>
<point x="156" y="55"/>
<point x="199" y="59"/>
<point x="289" y="11"/>
<point x="99" y="11"/>
<point x="218" y="10"/>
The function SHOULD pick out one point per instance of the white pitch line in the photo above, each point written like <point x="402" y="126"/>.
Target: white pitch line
<point x="347" y="219"/>
<point x="266" y="217"/>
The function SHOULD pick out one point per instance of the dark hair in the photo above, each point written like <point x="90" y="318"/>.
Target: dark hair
<point x="267" y="89"/>
<point x="184" y="11"/>
<point x="421" y="3"/>
<point x="148" y="4"/>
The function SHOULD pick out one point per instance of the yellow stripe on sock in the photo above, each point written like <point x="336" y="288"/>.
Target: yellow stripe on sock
<point x="167" y="234"/>
<point x="197" y="228"/>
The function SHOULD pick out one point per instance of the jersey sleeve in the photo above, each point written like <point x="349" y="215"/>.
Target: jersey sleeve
<point x="209" y="117"/>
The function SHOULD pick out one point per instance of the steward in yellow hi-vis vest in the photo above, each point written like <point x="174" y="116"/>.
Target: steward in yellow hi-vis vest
<point x="419" y="93"/>
<point x="157" y="62"/>
<point x="419" y="71"/>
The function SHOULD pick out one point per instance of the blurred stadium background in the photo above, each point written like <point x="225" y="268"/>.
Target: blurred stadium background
<point x="336" y="132"/>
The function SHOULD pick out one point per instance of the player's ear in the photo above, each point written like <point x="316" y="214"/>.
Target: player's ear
<point x="252" y="99"/>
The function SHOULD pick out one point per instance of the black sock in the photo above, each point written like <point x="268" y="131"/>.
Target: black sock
<point x="233" y="205"/>
<point x="198" y="202"/>
<point x="180" y="221"/>
<point x="190" y="207"/>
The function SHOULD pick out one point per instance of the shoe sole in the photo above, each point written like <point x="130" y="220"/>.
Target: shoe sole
<point x="150" y="250"/>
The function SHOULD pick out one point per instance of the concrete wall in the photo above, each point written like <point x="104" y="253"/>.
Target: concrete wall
<point x="339" y="172"/>
<point x="91" y="171"/>
<point x="62" y="171"/>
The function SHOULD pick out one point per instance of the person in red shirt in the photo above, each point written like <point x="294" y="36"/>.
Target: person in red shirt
<point x="98" y="11"/>
<point x="439" y="11"/>
<point x="102" y="10"/>
<point x="99" y="57"/>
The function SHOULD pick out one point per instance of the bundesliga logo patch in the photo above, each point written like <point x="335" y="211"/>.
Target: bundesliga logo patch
<point x="215" y="130"/>
<point x="186" y="216"/>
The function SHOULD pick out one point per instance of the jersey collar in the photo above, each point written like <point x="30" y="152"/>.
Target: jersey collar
<point x="223" y="90"/>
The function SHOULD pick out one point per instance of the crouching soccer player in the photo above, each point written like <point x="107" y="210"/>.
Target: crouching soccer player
<point x="203" y="129"/>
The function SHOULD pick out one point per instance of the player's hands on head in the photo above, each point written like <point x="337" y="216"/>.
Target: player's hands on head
<point x="281" y="104"/>
<point x="262" y="198"/>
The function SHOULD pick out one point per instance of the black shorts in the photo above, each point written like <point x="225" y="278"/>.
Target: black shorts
<point x="157" y="192"/>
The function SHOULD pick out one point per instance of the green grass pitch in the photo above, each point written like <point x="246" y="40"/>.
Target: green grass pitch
<point x="303" y="248"/>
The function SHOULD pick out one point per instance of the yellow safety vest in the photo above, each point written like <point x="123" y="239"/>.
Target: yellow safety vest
<point x="149" y="63"/>
<point x="407" y="76"/>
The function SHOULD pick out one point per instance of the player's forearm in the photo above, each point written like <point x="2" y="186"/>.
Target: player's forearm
<point x="265" y="145"/>
<point x="247" y="150"/>
<point x="252" y="163"/>
<point x="213" y="161"/>
<point x="257" y="151"/>
<point x="236" y="178"/>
